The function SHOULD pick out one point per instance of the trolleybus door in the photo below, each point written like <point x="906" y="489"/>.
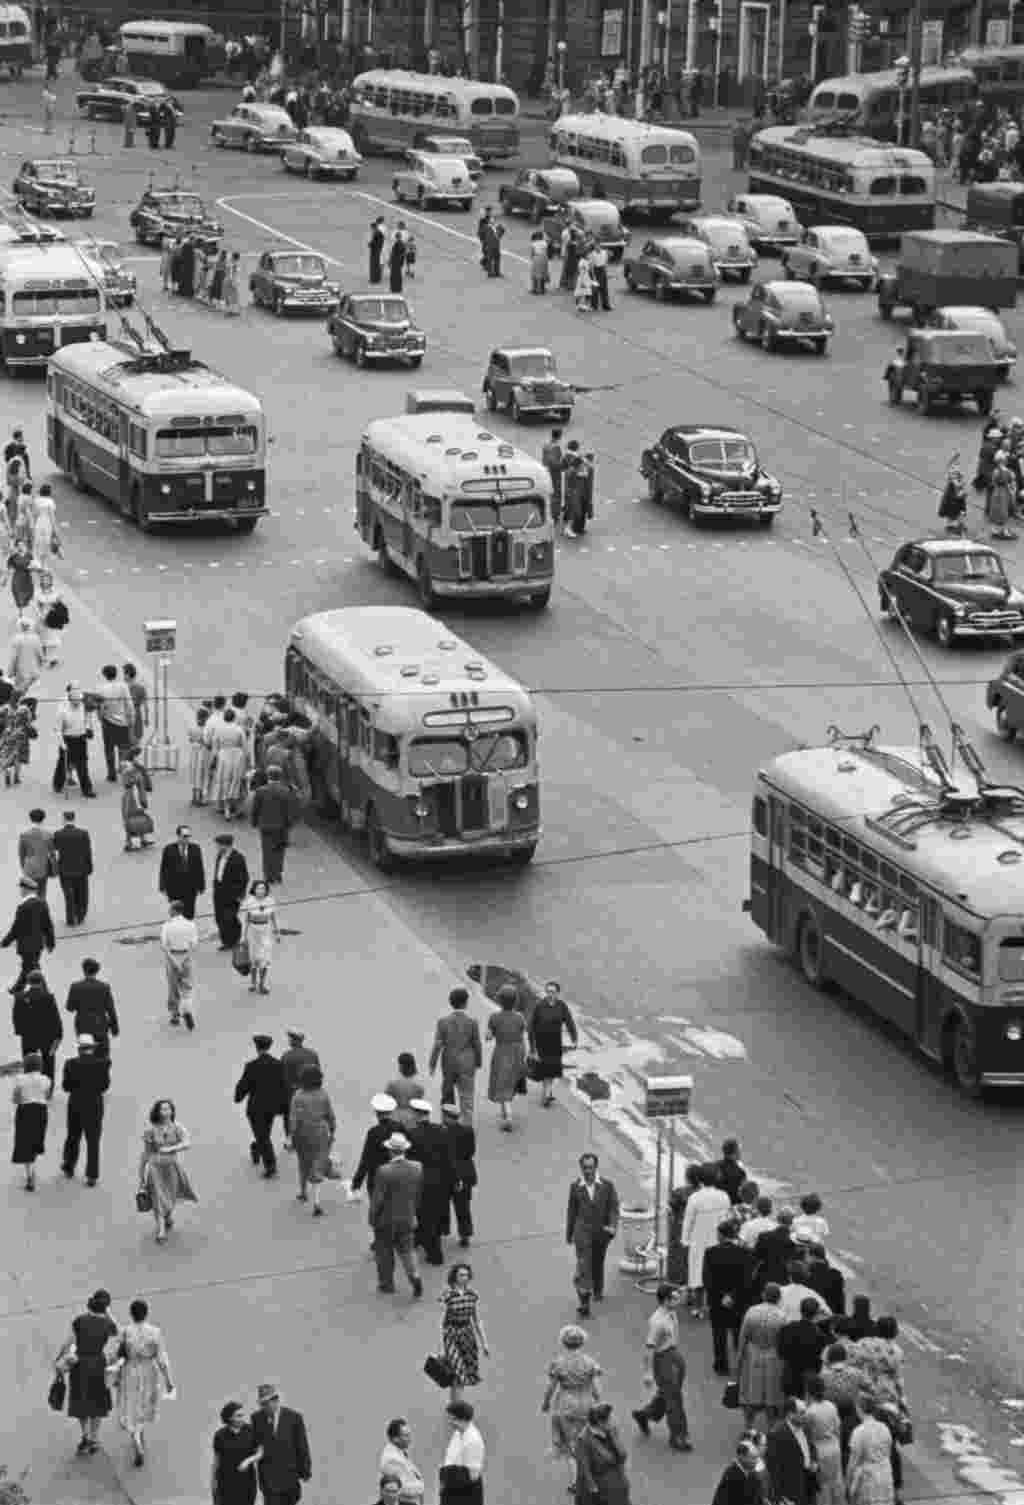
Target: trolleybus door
<point x="928" y="1021"/>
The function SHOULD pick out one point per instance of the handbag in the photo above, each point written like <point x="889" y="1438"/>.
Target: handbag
<point x="533" y="1069"/>
<point x="58" y="1392"/>
<point x="731" y="1396"/>
<point x="437" y="1368"/>
<point x="332" y="1167"/>
<point x="143" y="1200"/>
<point x="240" y="958"/>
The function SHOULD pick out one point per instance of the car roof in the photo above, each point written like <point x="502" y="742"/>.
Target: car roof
<point x="364" y="295"/>
<point x="556" y="174"/>
<point x="521" y="350"/>
<point x="947" y="336"/>
<point x="706" y="431"/>
<point x="295" y="251"/>
<point x="958" y="310"/>
<point x="842" y="229"/>
<point x="791" y="287"/>
<point x="765" y="198"/>
<point x="949" y="546"/>
<point x="714" y="219"/>
<point x="680" y="243"/>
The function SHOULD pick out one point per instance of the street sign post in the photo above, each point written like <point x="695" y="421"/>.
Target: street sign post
<point x="160" y="755"/>
<point x="666" y="1098"/>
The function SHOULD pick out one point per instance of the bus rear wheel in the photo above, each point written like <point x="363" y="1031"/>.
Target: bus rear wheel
<point x="809" y="951"/>
<point x="74" y="470"/>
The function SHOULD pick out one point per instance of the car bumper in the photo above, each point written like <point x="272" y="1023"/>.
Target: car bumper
<point x="270" y="143"/>
<point x="518" y="585"/>
<point x="538" y="409"/>
<point x="335" y="169"/>
<point x="451" y="198"/>
<point x="764" y="240"/>
<point x="308" y="305"/>
<point x="967" y="629"/>
<point x="733" y="268"/>
<point x="464" y="846"/>
<point x="188" y="516"/>
<point x="767" y="508"/>
<point x="800" y="336"/>
<point x="409" y="352"/>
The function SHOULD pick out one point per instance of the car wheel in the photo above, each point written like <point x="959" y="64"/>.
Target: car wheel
<point x="515" y="410"/>
<point x="359" y="354"/>
<point x="788" y="271"/>
<point x="895" y="392"/>
<point x="246" y="524"/>
<point x="945" y="629"/>
<point x="421" y="199"/>
<point x="984" y="401"/>
<point x="767" y="519"/>
<point x="415" y="362"/>
<point x="216" y="139"/>
<point x="737" y="327"/>
<point x="74" y="470"/>
<point x="745" y="275"/>
<point x="924" y="400"/>
<point x="627" y="278"/>
<point x="1004" y="726"/>
<point x="866" y="284"/>
<point x="539" y="599"/>
<point x="814" y="275"/>
<point x="654" y="491"/>
<point x="709" y="295"/>
<point x="767" y="336"/>
<point x="307" y="168"/>
<point x="660" y="290"/>
<point x="490" y="401"/>
<point x="537" y="214"/>
<point x="278" y="306"/>
<point x="90" y="112"/>
<point x="467" y="205"/>
<point x="140" y="516"/>
<point x="250" y="143"/>
<point x="820" y="347"/>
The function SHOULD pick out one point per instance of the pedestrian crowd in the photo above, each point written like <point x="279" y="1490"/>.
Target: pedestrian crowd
<point x="210" y="275"/>
<point x="999" y="476"/>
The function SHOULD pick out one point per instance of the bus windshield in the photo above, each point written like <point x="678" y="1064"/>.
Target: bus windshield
<point x="491" y="752"/>
<point x="471" y="517"/>
<point x="184" y="444"/>
<point x="56" y="301"/>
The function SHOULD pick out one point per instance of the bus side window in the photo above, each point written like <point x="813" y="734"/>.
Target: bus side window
<point x="761" y="816"/>
<point x="961" y="948"/>
<point x="385" y="749"/>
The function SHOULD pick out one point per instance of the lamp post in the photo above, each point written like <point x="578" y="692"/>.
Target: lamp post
<point x="902" y="79"/>
<point x="715" y="23"/>
<point x="814" y="28"/>
<point x="560" y="48"/>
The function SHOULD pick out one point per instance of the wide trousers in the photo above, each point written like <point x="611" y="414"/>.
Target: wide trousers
<point x="667" y="1401"/>
<point x="84" y="1120"/>
<point x="387" y="1242"/>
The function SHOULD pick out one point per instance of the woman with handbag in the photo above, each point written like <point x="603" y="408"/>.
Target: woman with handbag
<point x="311" y="1130"/>
<point x="162" y="1177"/>
<point x="84" y="1356"/>
<point x="145" y="1373"/>
<point x="462" y="1335"/>
<point x="136" y="787"/>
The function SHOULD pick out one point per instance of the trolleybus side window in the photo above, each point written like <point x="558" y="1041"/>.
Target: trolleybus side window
<point x="654" y="156"/>
<point x="911" y="184"/>
<point x="137" y="440"/>
<point x="483" y="106"/>
<point x="882" y="187"/>
<point x="1011" y="959"/>
<point x="385" y="749"/>
<point x="761" y="816"/>
<point x="961" y="948"/>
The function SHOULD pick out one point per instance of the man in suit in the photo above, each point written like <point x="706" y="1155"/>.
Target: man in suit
<point x="261" y="1087"/>
<point x="73" y="850"/>
<point x="36" y="855"/>
<point x="230" y="883"/>
<point x="591" y="1222"/>
<point x="92" y="1004"/>
<point x="431" y="1148"/>
<point x="31" y="930"/>
<point x="393" y="1211"/>
<point x="800" y="1347"/>
<point x="458" y="1048"/>
<point x="36" y="1021"/>
<point x="739" y="1484"/>
<point x="789" y="1456"/>
<point x="285" y="1464"/>
<point x="274" y="809"/>
<point x="727" y="1271"/>
<point x="462" y="1153"/>
<point x="85" y="1079"/>
<point x="182" y="875"/>
<point x="294" y="1061"/>
<point x="774" y="1251"/>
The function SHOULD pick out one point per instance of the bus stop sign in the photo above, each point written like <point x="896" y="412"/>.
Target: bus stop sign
<point x="161" y="636"/>
<point x="667" y="1096"/>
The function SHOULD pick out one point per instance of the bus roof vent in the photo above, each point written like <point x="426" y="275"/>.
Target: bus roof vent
<point x="431" y="678"/>
<point x="506" y="451"/>
<point x="410" y="671"/>
<point x="435" y="439"/>
<point x="846" y="765"/>
<point x="473" y="666"/>
<point x="1009" y="858"/>
<point x="447" y="645"/>
<point x="470" y="454"/>
<point x="485" y="436"/>
<point x="382" y="650"/>
<point x="454" y="453"/>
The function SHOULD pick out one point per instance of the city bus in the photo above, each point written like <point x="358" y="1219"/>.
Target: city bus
<point x="870" y="102"/>
<point x="49" y="297"/>
<point x="179" y="53"/>
<point x="455" y="508"/>
<point x="163" y="437"/>
<point x="646" y="169"/>
<point x="391" y="109"/>
<point x="998" y="72"/>
<point x="845" y="180"/>
<point x="15" y="40"/>
<point x="879" y="875"/>
<point x="417" y="742"/>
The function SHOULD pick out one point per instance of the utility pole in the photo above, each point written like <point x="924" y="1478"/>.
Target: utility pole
<point x="916" y="47"/>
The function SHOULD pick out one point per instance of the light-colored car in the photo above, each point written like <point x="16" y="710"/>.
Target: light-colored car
<point x="832" y="253"/>
<point x="322" y="151"/>
<point x="672" y="266"/>
<point x="726" y="238"/>
<point x="784" y="313"/>
<point x="254" y="128"/>
<point x="427" y="179"/>
<point x="971" y="320"/>
<point x="770" y="220"/>
<point x="450" y="146"/>
<point x="106" y="262"/>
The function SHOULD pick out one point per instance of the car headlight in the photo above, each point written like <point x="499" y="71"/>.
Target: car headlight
<point x="959" y="611"/>
<point x="1014" y="1031"/>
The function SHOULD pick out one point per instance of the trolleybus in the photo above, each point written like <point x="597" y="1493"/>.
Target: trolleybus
<point x="870" y="102"/>
<point x="845" y="180"/>
<point x="879" y="874"/>
<point x="648" y="169"/>
<point x="391" y="110"/>
<point x="163" y="437"/>
<point x="417" y="741"/>
<point x="50" y="297"/>
<point x="456" y="508"/>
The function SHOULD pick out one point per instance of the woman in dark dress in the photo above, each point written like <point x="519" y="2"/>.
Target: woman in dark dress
<point x="88" y="1395"/>
<point x="235" y="1455"/>
<point x="601" y="1461"/>
<point x="396" y="262"/>
<point x="187" y="270"/>
<point x="550" y="1018"/>
<point x="377" y="250"/>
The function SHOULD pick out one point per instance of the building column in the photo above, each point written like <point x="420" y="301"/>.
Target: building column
<point x="471" y="36"/>
<point x="692" y="22"/>
<point x="553" y="30"/>
<point x="429" y="24"/>
<point x="499" y="42"/>
<point x="346" y="23"/>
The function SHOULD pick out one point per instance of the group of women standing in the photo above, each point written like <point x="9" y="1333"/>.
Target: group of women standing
<point x="230" y="749"/>
<point x="212" y="277"/>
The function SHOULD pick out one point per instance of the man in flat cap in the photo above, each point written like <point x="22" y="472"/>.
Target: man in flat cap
<point x="31" y="930"/>
<point x="86" y="1079"/>
<point x="393" y="1211"/>
<point x="462" y="1157"/>
<point x="261" y="1087"/>
<point x="294" y="1062"/>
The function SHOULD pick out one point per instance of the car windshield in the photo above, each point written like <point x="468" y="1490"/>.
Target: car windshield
<point x="844" y="241"/>
<point x="489" y="752"/>
<point x="183" y="444"/>
<point x="453" y="148"/>
<point x="381" y="310"/>
<point x="66" y="172"/>
<point x="799" y="300"/>
<point x="714" y="452"/>
<point x="298" y="266"/>
<point x="64" y="301"/>
<point x="721" y="233"/>
<point x="537" y="364"/>
<point x="975" y="565"/>
<point x="476" y="516"/>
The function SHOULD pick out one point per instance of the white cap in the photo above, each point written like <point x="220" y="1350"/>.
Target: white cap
<point x="420" y="1105"/>
<point x="382" y="1103"/>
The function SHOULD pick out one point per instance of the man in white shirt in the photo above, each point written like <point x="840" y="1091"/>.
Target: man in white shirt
<point x="394" y="1459"/>
<point x="116" y="717"/>
<point x="599" y="273"/>
<point x="752" y="1229"/>
<point x="462" y="1473"/>
<point x="178" y="940"/>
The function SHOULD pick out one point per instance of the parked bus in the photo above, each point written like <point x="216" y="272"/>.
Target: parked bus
<point x="49" y="297"/>
<point x="998" y="72"/>
<point x="878" y="874"/>
<point x="391" y="109"/>
<point x="870" y="102"/>
<point x="164" y="438"/>
<point x="417" y="741"/>
<point x="178" y="53"/>
<point x="15" y="40"/>
<point x="647" y="169"/>
<point x="845" y="180"/>
<point x="456" y="508"/>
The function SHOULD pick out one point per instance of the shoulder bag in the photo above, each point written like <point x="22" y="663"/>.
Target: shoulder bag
<point x="438" y="1369"/>
<point x="58" y="1392"/>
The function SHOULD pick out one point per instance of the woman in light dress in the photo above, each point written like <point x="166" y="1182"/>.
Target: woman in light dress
<point x="758" y="1363"/>
<point x="45" y="599"/>
<point x="584" y="289"/>
<point x="145" y="1373"/>
<point x="199" y="756"/>
<point x="228" y="749"/>
<point x="160" y="1170"/>
<point x="507" y="1028"/>
<point x="822" y="1426"/>
<point x="573" y="1387"/>
<point x="136" y="787"/>
<point x="25" y="516"/>
<point x="869" y="1478"/>
<point x="45" y="538"/>
<point x="261" y="931"/>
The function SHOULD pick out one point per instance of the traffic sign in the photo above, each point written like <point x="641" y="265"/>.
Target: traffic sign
<point x="667" y="1096"/>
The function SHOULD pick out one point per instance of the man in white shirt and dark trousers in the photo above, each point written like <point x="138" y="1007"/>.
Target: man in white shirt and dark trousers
<point x="599" y="272"/>
<point x="178" y="940"/>
<point x="462" y="1473"/>
<point x="665" y="1369"/>
<point x="117" y="715"/>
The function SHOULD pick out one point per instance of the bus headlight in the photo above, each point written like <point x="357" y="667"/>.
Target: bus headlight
<point x="1015" y="1031"/>
<point x="250" y="485"/>
<point x="19" y="339"/>
<point x="165" y="490"/>
<point x="421" y="810"/>
<point x="521" y="801"/>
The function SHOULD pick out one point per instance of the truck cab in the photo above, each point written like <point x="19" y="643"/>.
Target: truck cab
<point x="938" y="268"/>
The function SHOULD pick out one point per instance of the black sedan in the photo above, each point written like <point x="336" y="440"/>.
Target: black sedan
<point x="54" y="185"/>
<point x="369" y="327"/>
<point x="537" y="192"/>
<point x="952" y="587"/>
<point x="108" y="99"/>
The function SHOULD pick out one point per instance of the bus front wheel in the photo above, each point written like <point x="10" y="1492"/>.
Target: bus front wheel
<point x="425" y="587"/>
<point x="539" y="599"/>
<point x="964" y="1059"/>
<point x="377" y="844"/>
<point x="139" y="513"/>
<point x="809" y="950"/>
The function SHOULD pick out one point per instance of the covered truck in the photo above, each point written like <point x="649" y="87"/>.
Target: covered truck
<point x="941" y="267"/>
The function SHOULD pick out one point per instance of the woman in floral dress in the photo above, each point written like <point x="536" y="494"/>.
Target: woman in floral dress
<point x="758" y="1363"/>
<point x="145" y="1374"/>
<point x="869" y="1478"/>
<point x="573" y="1388"/>
<point x="160" y="1170"/>
<point x="462" y="1334"/>
<point x="199" y="756"/>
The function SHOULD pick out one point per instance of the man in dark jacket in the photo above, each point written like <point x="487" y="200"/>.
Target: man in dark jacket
<point x="285" y="1464"/>
<point x="730" y="1171"/>
<point x="824" y="1278"/>
<point x="458" y="1049"/>
<point x="431" y="1147"/>
<point x="31" y="930"/>
<point x="182" y="875"/>
<point x="740" y="1484"/>
<point x="800" y="1347"/>
<point x="789" y="1456"/>
<point x="727" y="1271"/>
<point x="230" y="882"/>
<point x="591" y="1222"/>
<point x="274" y="809"/>
<point x="294" y="1061"/>
<point x="73" y="850"/>
<point x="374" y="1155"/>
<point x="461" y="1154"/>
<point x="85" y="1079"/>
<point x="775" y="1250"/>
<point x="92" y="1004"/>
<point x="393" y="1210"/>
<point x="262" y="1089"/>
<point x="36" y="1021"/>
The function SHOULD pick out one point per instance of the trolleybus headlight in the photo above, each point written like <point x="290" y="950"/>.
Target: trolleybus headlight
<point x="19" y="339"/>
<point x="1015" y="1031"/>
<point x="250" y="485"/>
<point x="521" y="801"/>
<point x="420" y="810"/>
<point x="165" y="490"/>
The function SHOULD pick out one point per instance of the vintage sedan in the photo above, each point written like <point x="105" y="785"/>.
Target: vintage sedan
<point x="292" y="282"/>
<point x="108" y="99"/>
<point x="106" y="263"/>
<point x="450" y="146"/>
<point x="525" y="380"/>
<point x="54" y="185"/>
<point x="726" y="238"/>
<point x="427" y="180"/>
<point x="538" y="191"/>
<point x="784" y="313"/>
<point x="174" y="211"/>
<point x="673" y="266"/>
<point x="707" y="471"/>
<point x="982" y="321"/>
<point x="771" y="222"/>
<point x="322" y="151"/>
<point x="594" y="219"/>
<point x="254" y="128"/>
<point x="1005" y="696"/>
<point x="832" y="253"/>
<point x="369" y="327"/>
<point x="951" y="587"/>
